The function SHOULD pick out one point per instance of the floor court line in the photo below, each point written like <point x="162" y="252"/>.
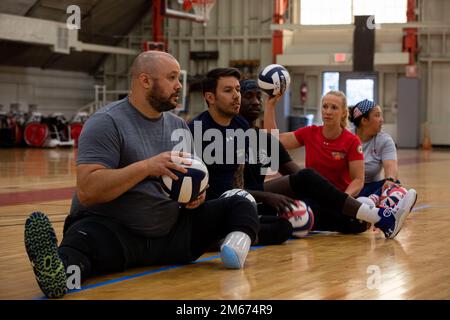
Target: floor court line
<point x="146" y="273"/>
<point x="421" y="207"/>
<point x="141" y="274"/>
<point x="29" y="197"/>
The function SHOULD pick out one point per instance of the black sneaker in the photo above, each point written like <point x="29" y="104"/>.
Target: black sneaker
<point x="42" y="250"/>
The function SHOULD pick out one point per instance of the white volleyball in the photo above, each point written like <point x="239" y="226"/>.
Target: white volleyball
<point x="239" y="192"/>
<point x="274" y="79"/>
<point x="189" y="185"/>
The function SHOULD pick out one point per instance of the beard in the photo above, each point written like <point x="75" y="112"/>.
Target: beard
<point x="159" y="102"/>
<point x="250" y="115"/>
<point x="250" y="118"/>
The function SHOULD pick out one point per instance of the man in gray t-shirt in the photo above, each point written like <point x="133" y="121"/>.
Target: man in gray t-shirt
<point x="120" y="217"/>
<point x="116" y="137"/>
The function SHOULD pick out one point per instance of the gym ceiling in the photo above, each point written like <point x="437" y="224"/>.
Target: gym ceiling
<point x="103" y="22"/>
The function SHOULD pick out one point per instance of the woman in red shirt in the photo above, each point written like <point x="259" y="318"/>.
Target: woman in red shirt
<point x="331" y="149"/>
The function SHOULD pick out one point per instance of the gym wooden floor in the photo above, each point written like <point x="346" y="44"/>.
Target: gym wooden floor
<point x="416" y="265"/>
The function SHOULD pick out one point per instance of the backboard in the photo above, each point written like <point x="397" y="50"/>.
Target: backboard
<point x="195" y="10"/>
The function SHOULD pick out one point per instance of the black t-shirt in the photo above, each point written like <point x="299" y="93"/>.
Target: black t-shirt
<point x="221" y="173"/>
<point x="253" y="178"/>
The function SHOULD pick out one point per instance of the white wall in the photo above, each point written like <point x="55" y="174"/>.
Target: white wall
<point x="241" y="30"/>
<point x="435" y="70"/>
<point x="52" y="91"/>
<point x="312" y="44"/>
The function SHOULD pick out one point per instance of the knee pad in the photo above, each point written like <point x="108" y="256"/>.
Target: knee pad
<point x="247" y="212"/>
<point x="99" y="244"/>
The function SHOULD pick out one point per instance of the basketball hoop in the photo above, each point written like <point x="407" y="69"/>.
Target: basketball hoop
<point x="187" y="5"/>
<point x="202" y="8"/>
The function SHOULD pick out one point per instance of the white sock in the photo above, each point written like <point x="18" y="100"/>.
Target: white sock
<point x="240" y="243"/>
<point x="368" y="214"/>
<point x="367" y="201"/>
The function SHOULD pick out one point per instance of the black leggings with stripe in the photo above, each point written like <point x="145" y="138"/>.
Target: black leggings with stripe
<point x="98" y="245"/>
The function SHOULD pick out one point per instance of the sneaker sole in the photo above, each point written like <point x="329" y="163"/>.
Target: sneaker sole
<point x="409" y="197"/>
<point x="42" y="249"/>
<point x="229" y="258"/>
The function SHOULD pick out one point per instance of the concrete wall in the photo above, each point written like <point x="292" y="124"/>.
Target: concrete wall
<point x="52" y="91"/>
<point x="434" y="69"/>
<point x="237" y="29"/>
<point x="241" y="30"/>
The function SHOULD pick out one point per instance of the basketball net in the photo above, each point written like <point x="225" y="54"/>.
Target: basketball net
<point x="202" y="8"/>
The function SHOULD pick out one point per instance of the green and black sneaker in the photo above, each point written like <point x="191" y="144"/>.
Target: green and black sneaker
<point x="42" y="250"/>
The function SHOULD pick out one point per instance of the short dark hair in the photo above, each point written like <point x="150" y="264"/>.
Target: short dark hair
<point x="209" y="84"/>
<point x="365" y="107"/>
<point x="356" y="121"/>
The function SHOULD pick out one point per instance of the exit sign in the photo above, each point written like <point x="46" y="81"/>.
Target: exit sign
<point x="340" y="57"/>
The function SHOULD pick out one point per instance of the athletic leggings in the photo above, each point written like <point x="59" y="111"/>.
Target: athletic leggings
<point x="99" y="245"/>
<point x="325" y="200"/>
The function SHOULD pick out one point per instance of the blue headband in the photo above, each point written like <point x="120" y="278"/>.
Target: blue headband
<point x="362" y="108"/>
<point x="249" y="85"/>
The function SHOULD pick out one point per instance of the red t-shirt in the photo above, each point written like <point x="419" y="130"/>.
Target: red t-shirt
<point x="330" y="157"/>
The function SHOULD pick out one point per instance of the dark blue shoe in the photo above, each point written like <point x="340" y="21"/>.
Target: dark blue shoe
<point x="42" y="250"/>
<point x="392" y="219"/>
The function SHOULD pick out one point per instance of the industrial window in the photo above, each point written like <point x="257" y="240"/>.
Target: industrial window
<point x="359" y="89"/>
<point x="330" y="82"/>
<point x="385" y="11"/>
<point x="325" y="12"/>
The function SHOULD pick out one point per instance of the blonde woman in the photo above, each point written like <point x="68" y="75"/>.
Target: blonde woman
<point x="331" y="149"/>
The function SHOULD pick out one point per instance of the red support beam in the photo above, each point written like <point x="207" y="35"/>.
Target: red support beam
<point x="158" y="21"/>
<point x="410" y="38"/>
<point x="280" y="8"/>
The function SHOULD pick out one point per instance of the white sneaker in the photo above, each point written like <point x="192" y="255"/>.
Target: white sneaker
<point x="234" y="249"/>
<point x="392" y="219"/>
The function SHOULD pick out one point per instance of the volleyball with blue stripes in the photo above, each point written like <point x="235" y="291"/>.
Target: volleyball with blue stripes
<point x="274" y="79"/>
<point x="239" y="192"/>
<point x="190" y="185"/>
<point x="301" y="217"/>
